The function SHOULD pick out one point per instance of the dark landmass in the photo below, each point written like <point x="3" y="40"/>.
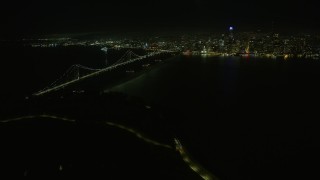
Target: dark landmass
<point x="47" y="148"/>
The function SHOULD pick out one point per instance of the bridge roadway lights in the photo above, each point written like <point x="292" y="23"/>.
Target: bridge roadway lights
<point x="97" y="72"/>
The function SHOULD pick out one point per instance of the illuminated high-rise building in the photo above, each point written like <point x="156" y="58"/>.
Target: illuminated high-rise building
<point x="231" y="32"/>
<point x="221" y="43"/>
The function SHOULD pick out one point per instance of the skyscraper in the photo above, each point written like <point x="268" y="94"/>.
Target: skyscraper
<point x="231" y="33"/>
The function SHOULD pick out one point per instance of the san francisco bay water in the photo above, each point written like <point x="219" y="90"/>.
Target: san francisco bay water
<point x="242" y="118"/>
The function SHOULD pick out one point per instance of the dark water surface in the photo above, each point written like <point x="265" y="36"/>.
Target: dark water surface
<point x="241" y="118"/>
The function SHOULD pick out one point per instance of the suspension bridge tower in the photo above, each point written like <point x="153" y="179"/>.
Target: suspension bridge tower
<point x="105" y="50"/>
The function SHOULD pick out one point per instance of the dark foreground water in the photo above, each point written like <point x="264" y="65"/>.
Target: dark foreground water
<point x="240" y="118"/>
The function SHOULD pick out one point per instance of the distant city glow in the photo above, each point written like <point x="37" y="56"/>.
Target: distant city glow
<point x="228" y="43"/>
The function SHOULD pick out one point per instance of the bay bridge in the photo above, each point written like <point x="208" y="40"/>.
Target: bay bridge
<point x="77" y="72"/>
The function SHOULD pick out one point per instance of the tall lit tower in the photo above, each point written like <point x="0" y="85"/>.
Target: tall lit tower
<point x="221" y="43"/>
<point x="231" y="32"/>
<point x="247" y="50"/>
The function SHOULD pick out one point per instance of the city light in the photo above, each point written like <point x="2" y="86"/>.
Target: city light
<point x="228" y="43"/>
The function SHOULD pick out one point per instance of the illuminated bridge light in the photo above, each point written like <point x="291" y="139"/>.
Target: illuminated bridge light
<point x="127" y="58"/>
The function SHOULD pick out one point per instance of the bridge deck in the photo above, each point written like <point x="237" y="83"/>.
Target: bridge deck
<point x="109" y="68"/>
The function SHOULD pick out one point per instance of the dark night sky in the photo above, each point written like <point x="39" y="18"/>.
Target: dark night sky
<point x="34" y="17"/>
